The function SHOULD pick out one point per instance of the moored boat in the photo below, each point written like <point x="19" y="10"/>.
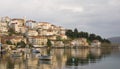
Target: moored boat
<point x="45" y="57"/>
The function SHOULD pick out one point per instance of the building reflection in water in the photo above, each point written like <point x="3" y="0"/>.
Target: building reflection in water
<point x="61" y="59"/>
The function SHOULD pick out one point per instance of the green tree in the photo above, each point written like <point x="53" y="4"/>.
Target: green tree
<point x="69" y="33"/>
<point x="92" y="37"/>
<point x="98" y="38"/>
<point x="21" y="44"/>
<point x="8" y="42"/>
<point x="83" y="34"/>
<point x="106" y="41"/>
<point x="75" y="33"/>
<point x="49" y="44"/>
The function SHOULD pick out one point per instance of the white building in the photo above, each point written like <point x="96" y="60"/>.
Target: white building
<point x="18" y="25"/>
<point x="39" y="41"/>
<point x="96" y="43"/>
<point x="31" y="24"/>
<point x="80" y="42"/>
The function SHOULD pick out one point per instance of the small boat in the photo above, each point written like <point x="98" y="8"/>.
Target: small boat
<point x="44" y="62"/>
<point x="35" y="51"/>
<point x="16" y="55"/>
<point x="45" y="57"/>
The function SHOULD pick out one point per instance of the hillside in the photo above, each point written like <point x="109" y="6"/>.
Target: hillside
<point x="115" y="40"/>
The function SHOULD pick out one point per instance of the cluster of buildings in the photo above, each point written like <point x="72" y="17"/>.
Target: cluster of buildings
<point x="35" y="33"/>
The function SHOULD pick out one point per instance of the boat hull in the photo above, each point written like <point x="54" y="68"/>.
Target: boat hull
<point x="45" y="57"/>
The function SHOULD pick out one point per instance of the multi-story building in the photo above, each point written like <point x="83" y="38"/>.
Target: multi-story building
<point x="21" y="22"/>
<point x="31" y="33"/>
<point x="17" y="25"/>
<point x="44" y="25"/>
<point x="80" y="42"/>
<point x="3" y="28"/>
<point x="31" y="24"/>
<point x="38" y="41"/>
<point x="96" y="43"/>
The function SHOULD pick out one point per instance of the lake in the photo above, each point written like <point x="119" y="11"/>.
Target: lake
<point x="94" y="58"/>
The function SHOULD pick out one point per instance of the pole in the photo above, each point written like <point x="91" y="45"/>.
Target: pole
<point x="1" y="49"/>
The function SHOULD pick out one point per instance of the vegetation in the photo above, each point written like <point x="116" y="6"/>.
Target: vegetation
<point x="12" y="32"/>
<point x="49" y="44"/>
<point x="8" y="42"/>
<point x="75" y="34"/>
<point x="58" y="38"/>
<point x="21" y="44"/>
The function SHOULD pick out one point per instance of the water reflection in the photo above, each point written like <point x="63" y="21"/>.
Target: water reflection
<point x="61" y="59"/>
<point x="84" y="56"/>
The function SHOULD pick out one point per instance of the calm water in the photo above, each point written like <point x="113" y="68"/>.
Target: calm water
<point x="66" y="59"/>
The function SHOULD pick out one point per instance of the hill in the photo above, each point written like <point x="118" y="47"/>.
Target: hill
<point x="114" y="40"/>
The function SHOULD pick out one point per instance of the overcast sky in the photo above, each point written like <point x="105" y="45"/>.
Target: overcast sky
<point x="101" y="17"/>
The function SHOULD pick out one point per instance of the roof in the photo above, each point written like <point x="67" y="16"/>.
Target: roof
<point x="31" y="21"/>
<point x="17" y="19"/>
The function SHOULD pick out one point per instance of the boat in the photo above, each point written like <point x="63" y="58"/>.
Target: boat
<point x="15" y="54"/>
<point x="35" y="51"/>
<point x="45" y="57"/>
<point x="44" y="62"/>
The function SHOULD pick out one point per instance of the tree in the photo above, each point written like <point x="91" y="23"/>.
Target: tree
<point x="21" y="44"/>
<point x="89" y="37"/>
<point x="49" y="44"/>
<point x="98" y="38"/>
<point x="92" y="37"/>
<point x="69" y="33"/>
<point x="106" y="41"/>
<point x="83" y="34"/>
<point x="75" y="33"/>
<point x="9" y="42"/>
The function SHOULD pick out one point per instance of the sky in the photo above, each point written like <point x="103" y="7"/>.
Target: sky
<point x="101" y="17"/>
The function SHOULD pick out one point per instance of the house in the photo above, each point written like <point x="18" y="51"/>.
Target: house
<point x="63" y="36"/>
<point x="80" y="42"/>
<point x="62" y="30"/>
<point x="12" y="39"/>
<point x="3" y="28"/>
<point x="18" y="39"/>
<point x="23" y="29"/>
<point x="95" y="43"/>
<point x="51" y="37"/>
<point x="44" y="25"/>
<point x="38" y="41"/>
<point x="5" y="19"/>
<point x="21" y="22"/>
<point x="56" y="43"/>
<point x="31" y="33"/>
<point x="31" y="24"/>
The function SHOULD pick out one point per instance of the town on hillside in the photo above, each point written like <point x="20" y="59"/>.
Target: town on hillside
<point x="19" y="32"/>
